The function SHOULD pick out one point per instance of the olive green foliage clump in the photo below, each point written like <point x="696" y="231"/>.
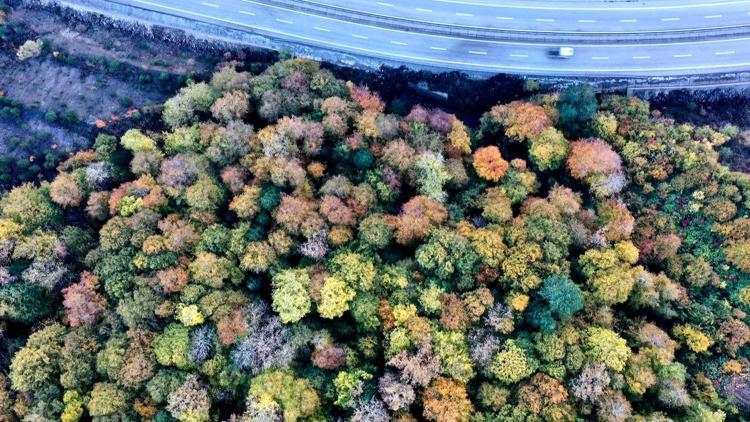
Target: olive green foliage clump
<point x="288" y="250"/>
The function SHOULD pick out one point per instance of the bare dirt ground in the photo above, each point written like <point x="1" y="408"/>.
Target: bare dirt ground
<point x="95" y="71"/>
<point x="64" y="139"/>
<point x="49" y="85"/>
<point x="94" y="75"/>
<point x="87" y="40"/>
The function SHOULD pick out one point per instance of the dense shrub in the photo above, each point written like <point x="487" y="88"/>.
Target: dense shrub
<point x="289" y="251"/>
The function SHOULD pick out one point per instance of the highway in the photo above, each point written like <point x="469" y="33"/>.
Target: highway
<point x="683" y="38"/>
<point x="556" y="16"/>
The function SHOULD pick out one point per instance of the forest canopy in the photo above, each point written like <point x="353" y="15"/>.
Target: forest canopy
<point x="288" y="250"/>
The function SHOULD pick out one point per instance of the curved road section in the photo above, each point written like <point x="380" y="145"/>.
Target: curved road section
<point x="644" y="39"/>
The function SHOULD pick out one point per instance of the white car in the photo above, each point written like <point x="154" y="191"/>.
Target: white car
<point x="563" y="52"/>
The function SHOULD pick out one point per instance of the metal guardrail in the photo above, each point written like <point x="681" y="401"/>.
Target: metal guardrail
<point x="453" y="30"/>
<point x="702" y="82"/>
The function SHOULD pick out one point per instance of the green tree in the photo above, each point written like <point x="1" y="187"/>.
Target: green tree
<point x="549" y="150"/>
<point x="431" y="176"/>
<point x="206" y="195"/>
<point x="513" y="363"/>
<point x="576" y="106"/>
<point x="607" y="347"/>
<point x="290" y="296"/>
<point x="37" y="364"/>
<point x="78" y="360"/>
<point x="212" y="270"/>
<point x="375" y="231"/>
<point x="172" y="346"/>
<point x="31" y="207"/>
<point x="558" y="299"/>
<point x="364" y="309"/>
<point x="135" y="141"/>
<point x="24" y="302"/>
<point x="453" y="352"/>
<point x="609" y="273"/>
<point x="295" y="396"/>
<point x="182" y="109"/>
<point x="108" y="400"/>
<point x="335" y="296"/>
<point x="448" y="256"/>
<point x="163" y="383"/>
<point x="356" y="270"/>
<point x="349" y="386"/>
<point x="136" y="308"/>
<point x="75" y="405"/>
<point x="182" y="140"/>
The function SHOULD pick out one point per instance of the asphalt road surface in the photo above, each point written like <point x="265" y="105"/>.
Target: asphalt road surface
<point x="585" y="16"/>
<point x="678" y="38"/>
